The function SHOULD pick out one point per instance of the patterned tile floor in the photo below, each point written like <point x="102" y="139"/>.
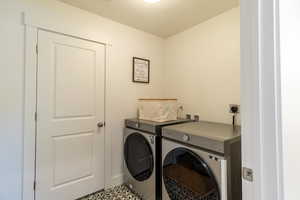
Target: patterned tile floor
<point x="116" y="193"/>
<point x="178" y="191"/>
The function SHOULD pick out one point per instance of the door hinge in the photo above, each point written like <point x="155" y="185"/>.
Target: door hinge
<point x="35" y="116"/>
<point x="37" y="49"/>
<point x="34" y="185"/>
<point x="248" y="174"/>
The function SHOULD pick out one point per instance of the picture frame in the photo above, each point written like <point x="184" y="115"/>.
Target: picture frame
<point x="141" y="70"/>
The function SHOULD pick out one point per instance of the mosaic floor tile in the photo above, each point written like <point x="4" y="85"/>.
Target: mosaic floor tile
<point x="116" y="193"/>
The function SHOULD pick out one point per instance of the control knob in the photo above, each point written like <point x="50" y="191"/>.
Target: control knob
<point x="186" y="138"/>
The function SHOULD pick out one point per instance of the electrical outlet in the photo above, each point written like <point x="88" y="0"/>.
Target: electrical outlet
<point x="234" y="108"/>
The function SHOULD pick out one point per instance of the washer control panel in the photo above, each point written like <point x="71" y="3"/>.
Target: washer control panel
<point x="186" y="138"/>
<point x="152" y="139"/>
<point x="211" y="157"/>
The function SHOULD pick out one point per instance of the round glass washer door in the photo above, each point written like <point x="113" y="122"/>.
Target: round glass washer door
<point x="138" y="157"/>
<point x="187" y="177"/>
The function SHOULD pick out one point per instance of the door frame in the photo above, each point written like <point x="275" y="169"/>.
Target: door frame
<point x="30" y="100"/>
<point x="261" y="99"/>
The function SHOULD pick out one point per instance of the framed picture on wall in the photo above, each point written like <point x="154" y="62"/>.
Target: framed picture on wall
<point x="141" y="70"/>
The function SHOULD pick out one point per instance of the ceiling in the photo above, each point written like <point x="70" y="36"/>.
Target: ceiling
<point x="164" y="18"/>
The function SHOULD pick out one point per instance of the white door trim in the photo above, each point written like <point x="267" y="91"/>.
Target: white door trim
<point x="29" y="112"/>
<point x="260" y="99"/>
<point x="29" y="140"/>
<point x="36" y="19"/>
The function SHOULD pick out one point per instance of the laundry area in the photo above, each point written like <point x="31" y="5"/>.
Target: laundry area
<point x="126" y="99"/>
<point x="181" y="158"/>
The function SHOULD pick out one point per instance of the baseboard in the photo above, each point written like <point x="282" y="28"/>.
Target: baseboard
<point x="116" y="180"/>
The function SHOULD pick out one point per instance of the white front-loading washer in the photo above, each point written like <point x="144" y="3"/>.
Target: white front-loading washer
<point x="139" y="157"/>
<point x="201" y="161"/>
<point x="192" y="174"/>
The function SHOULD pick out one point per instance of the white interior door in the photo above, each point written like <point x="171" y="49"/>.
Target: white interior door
<point x="70" y="104"/>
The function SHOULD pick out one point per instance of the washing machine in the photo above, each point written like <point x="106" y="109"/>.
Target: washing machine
<point x="142" y="156"/>
<point x="201" y="161"/>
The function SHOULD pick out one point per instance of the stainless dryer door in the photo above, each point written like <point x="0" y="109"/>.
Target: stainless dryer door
<point x="191" y="174"/>
<point x="139" y="157"/>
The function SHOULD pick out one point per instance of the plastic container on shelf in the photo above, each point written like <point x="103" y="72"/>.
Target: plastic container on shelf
<point x="158" y="110"/>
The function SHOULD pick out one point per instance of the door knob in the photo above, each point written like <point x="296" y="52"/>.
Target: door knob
<point x="100" y="124"/>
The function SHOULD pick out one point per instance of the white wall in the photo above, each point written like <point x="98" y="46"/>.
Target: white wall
<point x="203" y="67"/>
<point x="290" y="88"/>
<point x="121" y="92"/>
